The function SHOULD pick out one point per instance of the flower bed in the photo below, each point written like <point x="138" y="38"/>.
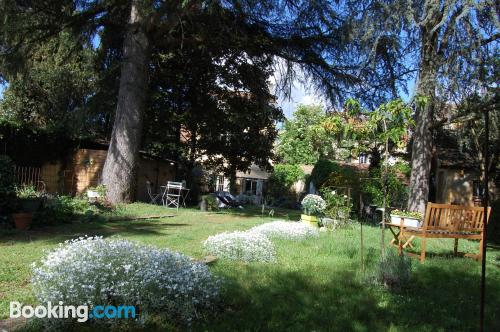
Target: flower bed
<point x="244" y="246"/>
<point x="95" y="271"/>
<point x="286" y="230"/>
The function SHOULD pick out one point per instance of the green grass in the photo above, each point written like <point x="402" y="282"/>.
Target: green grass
<point x="316" y="284"/>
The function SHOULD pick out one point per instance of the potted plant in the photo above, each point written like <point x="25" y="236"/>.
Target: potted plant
<point x="96" y="193"/>
<point x="29" y="198"/>
<point x="312" y="207"/>
<point x="406" y="218"/>
<point x="22" y="220"/>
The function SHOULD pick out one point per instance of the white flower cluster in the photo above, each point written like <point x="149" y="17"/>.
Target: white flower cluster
<point x="286" y="230"/>
<point x="244" y="246"/>
<point x="254" y="244"/>
<point x="94" y="271"/>
<point x="313" y="204"/>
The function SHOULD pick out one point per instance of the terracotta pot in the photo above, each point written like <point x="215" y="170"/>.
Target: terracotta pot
<point x="22" y="220"/>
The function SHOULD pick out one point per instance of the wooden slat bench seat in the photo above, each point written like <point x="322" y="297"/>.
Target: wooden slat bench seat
<point x="448" y="221"/>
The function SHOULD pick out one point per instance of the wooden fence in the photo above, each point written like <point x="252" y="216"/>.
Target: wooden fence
<point x="28" y="176"/>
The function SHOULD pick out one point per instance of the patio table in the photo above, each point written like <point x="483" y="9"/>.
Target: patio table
<point x="395" y="229"/>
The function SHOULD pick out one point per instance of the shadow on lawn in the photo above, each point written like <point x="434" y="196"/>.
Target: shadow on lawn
<point x="437" y="299"/>
<point x="442" y="297"/>
<point x="256" y="212"/>
<point x="292" y="301"/>
<point x="62" y="232"/>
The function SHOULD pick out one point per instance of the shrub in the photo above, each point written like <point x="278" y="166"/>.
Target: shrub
<point x="210" y="202"/>
<point x="286" y="230"/>
<point x="338" y="207"/>
<point x="65" y="209"/>
<point x="322" y="171"/>
<point x="397" y="190"/>
<point x="95" y="271"/>
<point x="329" y="174"/>
<point x="287" y="174"/>
<point x="282" y="178"/>
<point x="244" y="246"/>
<point x="394" y="271"/>
<point x="7" y="189"/>
<point x="313" y="204"/>
<point x="27" y="191"/>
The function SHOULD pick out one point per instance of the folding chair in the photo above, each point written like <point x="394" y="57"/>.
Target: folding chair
<point x="152" y="196"/>
<point x="172" y="196"/>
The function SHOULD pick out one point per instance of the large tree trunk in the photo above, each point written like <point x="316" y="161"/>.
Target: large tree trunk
<point x="119" y="174"/>
<point x="421" y="154"/>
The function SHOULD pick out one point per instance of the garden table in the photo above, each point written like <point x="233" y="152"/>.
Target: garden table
<point x="395" y="229"/>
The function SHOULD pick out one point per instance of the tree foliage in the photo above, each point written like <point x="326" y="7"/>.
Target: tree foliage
<point x="302" y="139"/>
<point x="51" y="94"/>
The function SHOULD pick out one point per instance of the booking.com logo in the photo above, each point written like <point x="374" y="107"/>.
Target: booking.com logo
<point x="82" y="312"/>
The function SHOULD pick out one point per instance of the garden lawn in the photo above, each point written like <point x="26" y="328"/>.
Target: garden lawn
<point x="316" y="284"/>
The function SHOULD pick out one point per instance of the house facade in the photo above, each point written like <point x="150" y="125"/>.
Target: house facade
<point x="251" y="184"/>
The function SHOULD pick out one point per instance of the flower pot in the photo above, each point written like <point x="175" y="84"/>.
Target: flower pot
<point x="22" y="220"/>
<point x="93" y="194"/>
<point x="406" y="221"/>
<point x="31" y="205"/>
<point x="310" y="220"/>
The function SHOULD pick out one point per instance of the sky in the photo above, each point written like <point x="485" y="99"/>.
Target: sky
<point x="300" y="95"/>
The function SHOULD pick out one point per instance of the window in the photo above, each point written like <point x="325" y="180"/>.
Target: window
<point x="250" y="187"/>
<point x="220" y="184"/>
<point x="362" y="158"/>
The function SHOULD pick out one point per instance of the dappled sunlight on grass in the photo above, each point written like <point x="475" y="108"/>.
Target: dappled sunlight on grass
<point x="317" y="284"/>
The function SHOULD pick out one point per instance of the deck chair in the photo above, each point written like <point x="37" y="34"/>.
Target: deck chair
<point x="172" y="196"/>
<point x="152" y="195"/>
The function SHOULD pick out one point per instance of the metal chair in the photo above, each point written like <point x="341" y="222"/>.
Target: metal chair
<point x="152" y="196"/>
<point x="172" y="195"/>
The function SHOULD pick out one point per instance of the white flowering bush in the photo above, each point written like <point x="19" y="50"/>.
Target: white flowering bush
<point x="286" y="230"/>
<point x="95" y="271"/>
<point x="244" y="246"/>
<point x="313" y="205"/>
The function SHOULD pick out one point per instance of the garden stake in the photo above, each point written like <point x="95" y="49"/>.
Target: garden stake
<point x="384" y="179"/>
<point x="362" y="249"/>
<point x="485" y="216"/>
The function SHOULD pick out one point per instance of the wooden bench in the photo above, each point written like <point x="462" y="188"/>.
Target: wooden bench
<point x="448" y="221"/>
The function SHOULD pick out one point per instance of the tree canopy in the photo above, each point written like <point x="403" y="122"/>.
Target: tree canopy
<point x="131" y="89"/>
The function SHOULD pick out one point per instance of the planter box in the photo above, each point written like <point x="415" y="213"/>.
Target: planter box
<point x="406" y="221"/>
<point x="310" y="220"/>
